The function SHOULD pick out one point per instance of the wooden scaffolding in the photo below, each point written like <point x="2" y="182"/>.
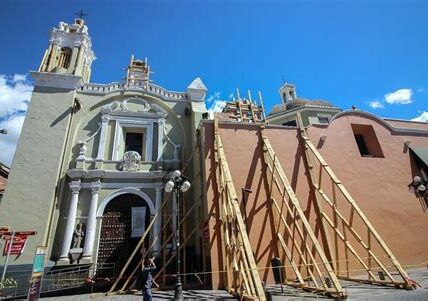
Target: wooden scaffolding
<point x="347" y="230"/>
<point x="310" y="268"/>
<point x="241" y="274"/>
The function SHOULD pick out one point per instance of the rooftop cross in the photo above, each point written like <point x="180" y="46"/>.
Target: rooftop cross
<point x="81" y="14"/>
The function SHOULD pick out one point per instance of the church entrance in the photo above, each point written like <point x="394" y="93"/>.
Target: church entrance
<point x="124" y="221"/>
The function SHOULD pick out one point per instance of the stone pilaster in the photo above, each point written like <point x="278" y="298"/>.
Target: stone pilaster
<point x="91" y="225"/>
<point x="71" y="219"/>
<point x="102" y="142"/>
<point x="158" y="223"/>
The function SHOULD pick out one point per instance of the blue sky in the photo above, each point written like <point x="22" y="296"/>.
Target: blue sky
<point x="347" y="52"/>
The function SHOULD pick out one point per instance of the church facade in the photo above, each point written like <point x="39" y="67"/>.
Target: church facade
<point x="91" y="162"/>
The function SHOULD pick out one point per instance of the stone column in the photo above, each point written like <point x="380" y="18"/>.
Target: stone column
<point x="158" y="223"/>
<point x="161" y="124"/>
<point x="103" y="135"/>
<point x="78" y="64"/>
<point x="91" y="224"/>
<point x="52" y="59"/>
<point x="71" y="219"/>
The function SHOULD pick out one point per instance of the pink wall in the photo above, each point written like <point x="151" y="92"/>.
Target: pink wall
<point x="379" y="185"/>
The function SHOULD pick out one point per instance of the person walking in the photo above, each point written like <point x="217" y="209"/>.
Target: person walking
<point x="147" y="278"/>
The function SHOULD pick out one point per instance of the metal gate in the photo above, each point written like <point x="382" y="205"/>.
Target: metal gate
<point x="116" y="243"/>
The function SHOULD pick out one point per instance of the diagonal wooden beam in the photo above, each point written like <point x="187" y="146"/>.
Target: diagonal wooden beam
<point x="233" y="219"/>
<point x="295" y="210"/>
<point x="337" y="184"/>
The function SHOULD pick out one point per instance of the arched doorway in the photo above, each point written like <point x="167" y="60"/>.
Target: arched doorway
<point x="124" y="221"/>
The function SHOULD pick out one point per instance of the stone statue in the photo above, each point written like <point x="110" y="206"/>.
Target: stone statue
<point x="78" y="236"/>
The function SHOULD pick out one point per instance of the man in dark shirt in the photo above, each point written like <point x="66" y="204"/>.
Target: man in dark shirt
<point x="147" y="278"/>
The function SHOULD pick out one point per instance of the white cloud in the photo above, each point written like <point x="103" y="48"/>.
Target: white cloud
<point x="213" y="97"/>
<point x="8" y="141"/>
<point x="375" y="104"/>
<point x="401" y="96"/>
<point x="422" y="117"/>
<point x="15" y="93"/>
<point x="19" y="77"/>
<point x="217" y="106"/>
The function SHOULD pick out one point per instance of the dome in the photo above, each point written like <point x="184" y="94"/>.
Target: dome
<point x="300" y="102"/>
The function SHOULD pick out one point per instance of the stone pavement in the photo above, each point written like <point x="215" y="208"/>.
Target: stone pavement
<point x="355" y="291"/>
<point x="157" y="295"/>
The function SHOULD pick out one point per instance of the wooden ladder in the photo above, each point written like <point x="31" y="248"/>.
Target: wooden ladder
<point x="242" y="277"/>
<point x="365" y="247"/>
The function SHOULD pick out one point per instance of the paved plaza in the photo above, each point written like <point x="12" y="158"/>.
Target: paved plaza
<point x="354" y="290"/>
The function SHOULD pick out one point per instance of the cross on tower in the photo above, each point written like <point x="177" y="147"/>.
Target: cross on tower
<point x="81" y="14"/>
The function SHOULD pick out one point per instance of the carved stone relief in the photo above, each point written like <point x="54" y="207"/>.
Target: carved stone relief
<point x="131" y="160"/>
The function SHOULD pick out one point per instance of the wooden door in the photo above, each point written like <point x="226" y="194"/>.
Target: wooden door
<point x="116" y="243"/>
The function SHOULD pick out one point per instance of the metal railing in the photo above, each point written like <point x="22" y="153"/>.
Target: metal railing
<point x="56" y="279"/>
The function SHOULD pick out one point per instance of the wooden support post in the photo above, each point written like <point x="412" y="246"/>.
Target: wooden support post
<point x="317" y="201"/>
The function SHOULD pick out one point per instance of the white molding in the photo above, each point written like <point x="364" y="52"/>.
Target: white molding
<point x="63" y="38"/>
<point x="56" y="80"/>
<point x="390" y="127"/>
<point x="136" y="185"/>
<point x="115" y="174"/>
<point x="119" y="192"/>
<point x="151" y="90"/>
<point x="133" y="123"/>
<point x="197" y="90"/>
<point x="103" y="136"/>
<point x="161" y="126"/>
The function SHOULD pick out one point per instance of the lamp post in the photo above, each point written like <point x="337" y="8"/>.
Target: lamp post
<point x="178" y="183"/>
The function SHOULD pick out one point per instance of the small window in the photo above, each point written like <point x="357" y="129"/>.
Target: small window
<point x="366" y="140"/>
<point x="290" y="123"/>
<point x="323" y="119"/>
<point x="134" y="142"/>
<point x="362" y="147"/>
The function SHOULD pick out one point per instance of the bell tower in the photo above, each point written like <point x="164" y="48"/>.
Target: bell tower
<point x="287" y="92"/>
<point x="70" y="51"/>
<point x="138" y="72"/>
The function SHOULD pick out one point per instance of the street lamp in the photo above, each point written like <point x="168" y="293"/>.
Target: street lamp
<point x="177" y="182"/>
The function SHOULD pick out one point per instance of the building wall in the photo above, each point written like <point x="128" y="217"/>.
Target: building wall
<point x="309" y="115"/>
<point x="4" y="174"/>
<point x="35" y="169"/>
<point x="379" y="186"/>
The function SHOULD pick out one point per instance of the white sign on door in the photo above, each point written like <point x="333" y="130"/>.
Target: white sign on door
<point x="138" y="221"/>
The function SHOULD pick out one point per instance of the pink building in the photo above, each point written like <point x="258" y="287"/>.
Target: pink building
<point x="375" y="159"/>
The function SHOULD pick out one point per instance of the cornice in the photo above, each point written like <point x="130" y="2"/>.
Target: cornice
<point x="56" y="80"/>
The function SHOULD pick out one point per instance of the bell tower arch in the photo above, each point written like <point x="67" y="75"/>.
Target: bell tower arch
<point x="287" y="92"/>
<point x="69" y="51"/>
